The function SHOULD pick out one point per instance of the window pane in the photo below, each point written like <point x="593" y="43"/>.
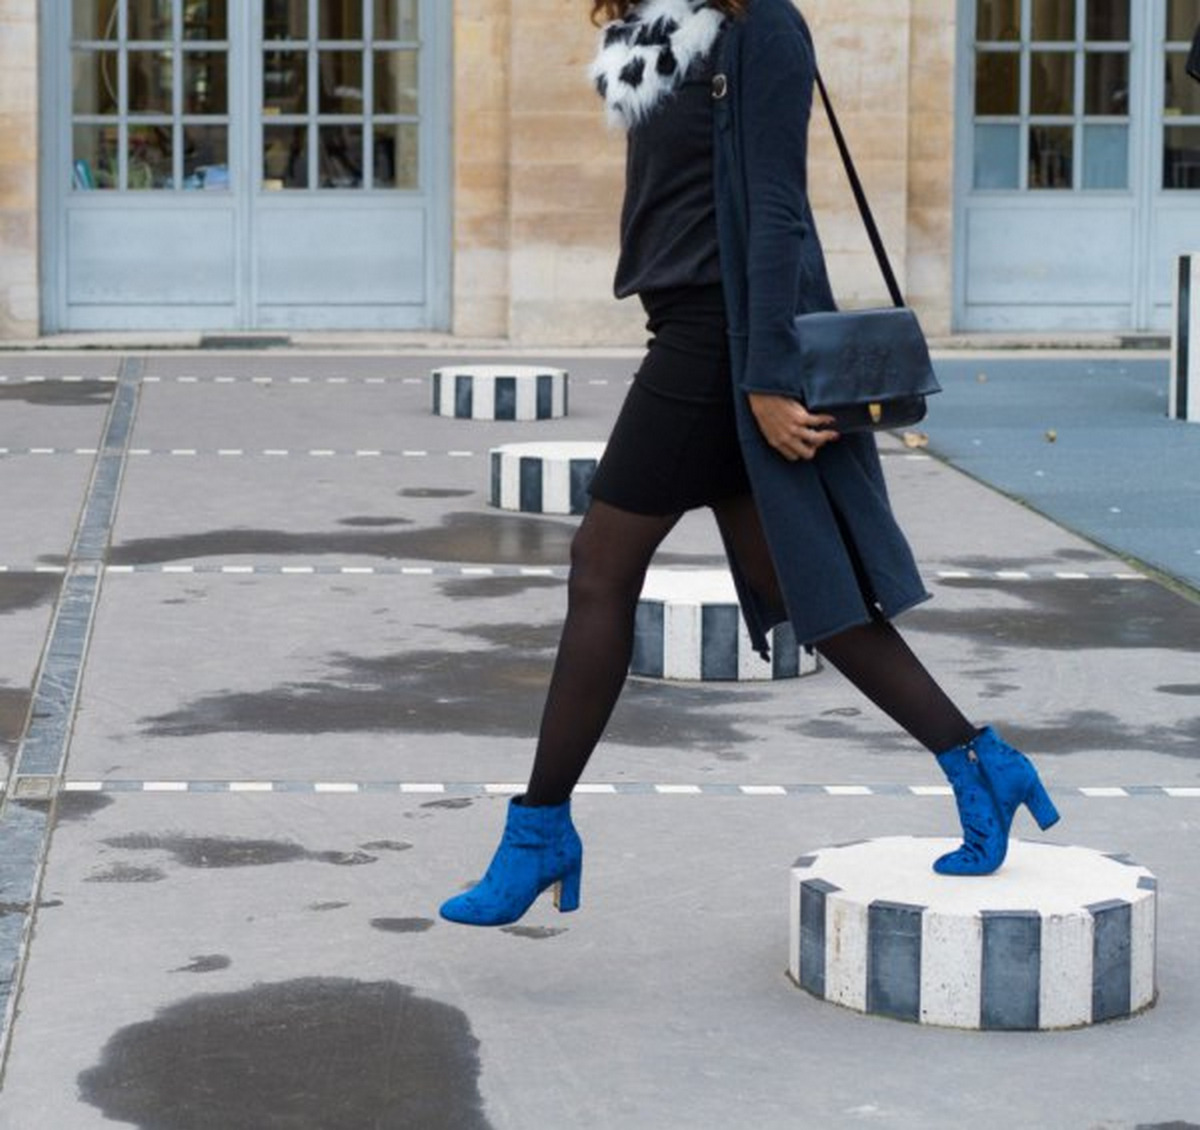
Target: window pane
<point x="1051" y="156"/>
<point x="151" y="81"/>
<point x="1052" y="83"/>
<point x="997" y="156"/>
<point x="205" y="82"/>
<point x="206" y="157"/>
<point x="1107" y="81"/>
<point x="1183" y="91"/>
<point x="997" y="83"/>
<point x="1108" y="21"/>
<point x="341" y="82"/>
<point x="149" y="157"/>
<point x="205" y="19"/>
<point x="94" y="19"/>
<point x="95" y="157"/>
<point x="341" y="156"/>
<point x="396" y="82"/>
<point x="340" y="19"/>
<point x="149" y="19"/>
<point x="94" y="82"/>
<point x="285" y="157"/>
<point x="398" y="19"/>
<point x="1106" y="157"/>
<point x="1054" y="21"/>
<point x="1181" y="157"/>
<point x="1182" y="19"/>
<point x="285" y="19"/>
<point x="396" y="156"/>
<point x="285" y="82"/>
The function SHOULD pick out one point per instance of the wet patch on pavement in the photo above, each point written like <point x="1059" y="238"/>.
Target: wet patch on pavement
<point x="59" y="394"/>
<point x="982" y="563"/>
<point x="1059" y="615"/>
<point x="223" y="852"/>
<point x="451" y="803"/>
<point x="494" y="693"/>
<point x="14" y="711"/>
<point x="205" y="963"/>
<point x="79" y="806"/>
<point x="1186" y="690"/>
<point x="386" y="845"/>
<point x="127" y="873"/>
<point x="22" y="591"/>
<point x="524" y="637"/>
<point x="402" y="925"/>
<point x="320" y="906"/>
<point x="534" y="933"/>
<point x="245" y="1061"/>
<point x="1089" y="730"/>
<point x="366" y="522"/>
<point x="842" y="729"/>
<point x="505" y="539"/>
<point x="434" y="492"/>
<point x="490" y="588"/>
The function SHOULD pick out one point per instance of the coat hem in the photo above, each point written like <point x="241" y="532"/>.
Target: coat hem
<point x="859" y="621"/>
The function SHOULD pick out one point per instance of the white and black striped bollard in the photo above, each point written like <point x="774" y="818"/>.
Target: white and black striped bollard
<point x="494" y="392"/>
<point x="1184" y="396"/>
<point x="1059" y="937"/>
<point x="543" y="478"/>
<point x="689" y="627"/>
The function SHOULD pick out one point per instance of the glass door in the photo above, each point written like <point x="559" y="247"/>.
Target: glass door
<point x="282" y="164"/>
<point x="1079" y="148"/>
<point x="351" y="149"/>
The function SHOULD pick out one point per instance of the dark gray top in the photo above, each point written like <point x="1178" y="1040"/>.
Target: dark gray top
<point x="668" y="223"/>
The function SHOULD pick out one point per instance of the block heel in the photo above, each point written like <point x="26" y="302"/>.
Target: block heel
<point x="567" y="890"/>
<point x="1040" y="806"/>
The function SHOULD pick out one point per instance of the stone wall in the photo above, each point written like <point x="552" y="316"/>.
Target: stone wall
<point x="540" y="174"/>
<point x="18" y="170"/>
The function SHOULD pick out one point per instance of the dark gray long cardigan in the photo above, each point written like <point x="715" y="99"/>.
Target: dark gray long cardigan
<point x="840" y="557"/>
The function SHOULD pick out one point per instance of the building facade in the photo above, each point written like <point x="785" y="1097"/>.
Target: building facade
<point x="443" y="164"/>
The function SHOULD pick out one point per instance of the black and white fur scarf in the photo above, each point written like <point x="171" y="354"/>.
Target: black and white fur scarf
<point x="645" y="56"/>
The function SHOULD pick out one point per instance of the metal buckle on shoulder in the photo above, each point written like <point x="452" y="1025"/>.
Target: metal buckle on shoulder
<point x="720" y="86"/>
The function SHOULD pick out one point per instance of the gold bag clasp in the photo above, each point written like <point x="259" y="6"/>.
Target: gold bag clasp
<point x="876" y="412"/>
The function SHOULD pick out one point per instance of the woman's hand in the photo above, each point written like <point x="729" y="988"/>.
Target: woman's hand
<point x="789" y="427"/>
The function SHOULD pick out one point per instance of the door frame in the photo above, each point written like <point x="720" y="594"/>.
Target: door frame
<point x="55" y="150"/>
<point x="1147" y="40"/>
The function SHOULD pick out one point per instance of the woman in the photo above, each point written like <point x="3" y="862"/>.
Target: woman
<point x="710" y="90"/>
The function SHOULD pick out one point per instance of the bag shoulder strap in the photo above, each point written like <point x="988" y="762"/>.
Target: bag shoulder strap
<point x="860" y="197"/>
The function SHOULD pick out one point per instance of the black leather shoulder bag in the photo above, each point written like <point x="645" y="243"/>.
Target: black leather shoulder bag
<point x="868" y="369"/>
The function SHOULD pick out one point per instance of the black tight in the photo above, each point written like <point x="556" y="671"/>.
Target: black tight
<point x="609" y="557"/>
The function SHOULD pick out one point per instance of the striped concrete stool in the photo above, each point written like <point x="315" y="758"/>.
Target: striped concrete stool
<point x="491" y="392"/>
<point x="1059" y="937"/>
<point x="544" y="478"/>
<point x="1184" y="396"/>
<point x="689" y="626"/>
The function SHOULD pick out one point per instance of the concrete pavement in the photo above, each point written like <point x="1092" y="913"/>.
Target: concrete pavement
<point x="272" y="665"/>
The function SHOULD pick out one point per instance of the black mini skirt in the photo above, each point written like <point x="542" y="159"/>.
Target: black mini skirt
<point x="674" y="446"/>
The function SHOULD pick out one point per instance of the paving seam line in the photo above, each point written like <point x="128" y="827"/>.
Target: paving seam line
<point x="25" y="823"/>
<point x="835" y="790"/>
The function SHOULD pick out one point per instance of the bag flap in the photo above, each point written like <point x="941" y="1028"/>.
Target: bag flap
<point x="854" y="356"/>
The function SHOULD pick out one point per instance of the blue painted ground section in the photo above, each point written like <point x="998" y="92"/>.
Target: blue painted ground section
<point x="1086" y="442"/>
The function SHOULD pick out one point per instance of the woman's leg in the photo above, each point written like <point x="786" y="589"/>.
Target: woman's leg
<point x="874" y="656"/>
<point x="609" y="558"/>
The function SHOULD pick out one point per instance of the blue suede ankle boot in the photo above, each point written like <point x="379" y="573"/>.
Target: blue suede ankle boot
<point x="991" y="780"/>
<point x="540" y="848"/>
